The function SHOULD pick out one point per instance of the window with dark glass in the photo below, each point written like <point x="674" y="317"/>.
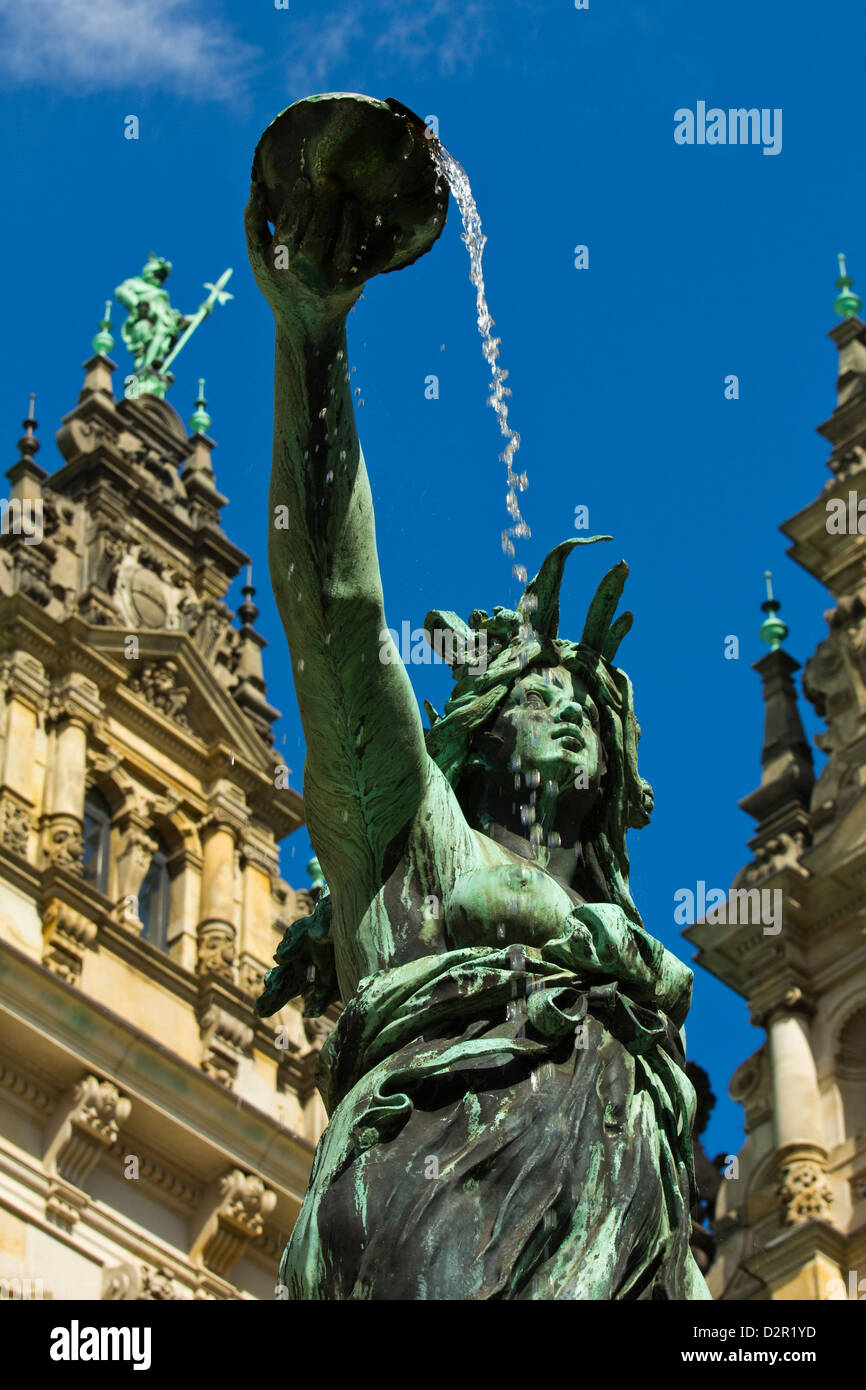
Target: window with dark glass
<point x="97" y="840"/>
<point x="153" y="897"/>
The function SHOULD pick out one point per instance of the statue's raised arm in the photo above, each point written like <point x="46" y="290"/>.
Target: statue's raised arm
<point x="509" y="1114"/>
<point x="342" y="188"/>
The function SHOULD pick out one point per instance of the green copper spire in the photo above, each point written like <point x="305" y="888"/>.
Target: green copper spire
<point x="199" y="421"/>
<point x="846" y="303"/>
<point x="103" y="342"/>
<point x="773" y="629"/>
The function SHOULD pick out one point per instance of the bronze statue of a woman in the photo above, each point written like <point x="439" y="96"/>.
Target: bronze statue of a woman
<point x="508" y="1112"/>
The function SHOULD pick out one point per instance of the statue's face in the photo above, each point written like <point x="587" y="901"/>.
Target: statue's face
<point x="547" y="732"/>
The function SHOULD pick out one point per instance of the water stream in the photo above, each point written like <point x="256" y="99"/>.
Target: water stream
<point x="456" y="177"/>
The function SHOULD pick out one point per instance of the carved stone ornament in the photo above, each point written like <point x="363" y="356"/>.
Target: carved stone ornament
<point x="226" y="1041"/>
<point x="86" y="1128"/>
<point x="66" y="935"/>
<point x="157" y="683"/>
<point x="804" y="1192"/>
<point x="780" y="852"/>
<point x="216" y="950"/>
<point x="63" y="844"/>
<point x="239" y="1202"/>
<point x="15" y="821"/>
<point x="157" y="1285"/>
<point x="130" y="1283"/>
<point x="246" y="1201"/>
<point x="851" y="460"/>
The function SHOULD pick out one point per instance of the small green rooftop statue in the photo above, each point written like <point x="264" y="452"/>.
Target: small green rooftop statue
<point x="155" y="332"/>
<point x="509" y="1114"/>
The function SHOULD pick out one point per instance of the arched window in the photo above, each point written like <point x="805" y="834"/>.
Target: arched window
<point x="97" y="839"/>
<point x="153" y="897"/>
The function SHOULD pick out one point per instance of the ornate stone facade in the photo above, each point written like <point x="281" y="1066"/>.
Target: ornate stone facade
<point x="140" y="896"/>
<point x="790" y="1221"/>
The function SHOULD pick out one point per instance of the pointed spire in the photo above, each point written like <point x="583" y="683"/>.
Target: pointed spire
<point x="25" y="475"/>
<point x="773" y="630"/>
<point x="846" y="303"/>
<point x="103" y="342"/>
<point x="780" y="804"/>
<point x="28" y="445"/>
<point x="250" y="692"/>
<point x="200" y="421"/>
<point x="248" y="612"/>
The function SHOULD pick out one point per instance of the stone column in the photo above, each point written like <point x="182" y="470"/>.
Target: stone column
<point x="74" y="707"/>
<point x="801" y="1150"/>
<point x="26" y="694"/>
<point x="217" y="932"/>
<point x="258" y="937"/>
<point x="185" y="867"/>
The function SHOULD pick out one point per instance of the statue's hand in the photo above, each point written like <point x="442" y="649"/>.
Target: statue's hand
<point x="318" y="257"/>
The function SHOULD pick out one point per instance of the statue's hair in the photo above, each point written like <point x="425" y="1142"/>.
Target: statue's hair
<point x="524" y="640"/>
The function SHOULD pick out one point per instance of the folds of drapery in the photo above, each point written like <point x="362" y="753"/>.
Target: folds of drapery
<point x="507" y="1122"/>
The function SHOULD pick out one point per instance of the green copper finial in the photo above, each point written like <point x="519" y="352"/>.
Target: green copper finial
<point x="846" y="303"/>
<point x="773" y="629"/>
<point x="199" y="421"/>
<point x="103" y="342"/>
<point x="314" y="869"/>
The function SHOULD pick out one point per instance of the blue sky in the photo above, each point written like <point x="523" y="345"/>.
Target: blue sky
<point x="703" y="261"/>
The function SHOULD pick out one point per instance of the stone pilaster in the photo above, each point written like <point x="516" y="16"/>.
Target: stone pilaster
<point x="75" y="708"/>
<point x="26" y="694"/>
<point x="217" y="930"/>
<point x="801" y="1148"/>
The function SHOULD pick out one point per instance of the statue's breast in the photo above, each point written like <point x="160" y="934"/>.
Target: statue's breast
<point x="513" y="902"/>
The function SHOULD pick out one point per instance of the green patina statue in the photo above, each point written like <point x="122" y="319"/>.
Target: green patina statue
<point x="509" y="1115"/>
<point x="154" y="332"/>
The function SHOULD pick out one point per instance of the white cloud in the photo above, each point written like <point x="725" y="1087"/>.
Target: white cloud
<point x="105" y="45"/>
<point x="186" y="47"/>
<point x="448" y="33"/>
<point x="316" y="48"/>
<point x="445" y="35"/>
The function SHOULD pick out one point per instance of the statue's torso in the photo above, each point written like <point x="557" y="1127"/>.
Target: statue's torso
<point x="452" y="887"/>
